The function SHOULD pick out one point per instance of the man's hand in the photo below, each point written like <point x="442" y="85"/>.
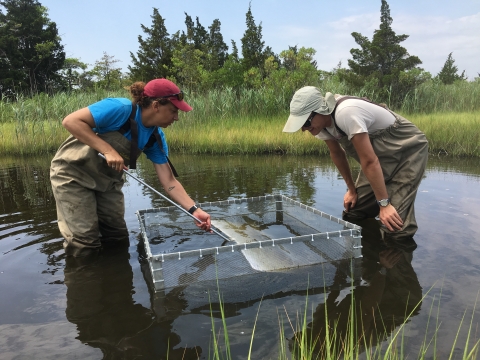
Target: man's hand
<point x="390" y="218"/>
<point x="350" y="200"/>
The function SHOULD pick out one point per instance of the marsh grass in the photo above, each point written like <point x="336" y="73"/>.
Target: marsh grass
<point x="435" y="97"/>
<point x="451" y="133"/>
<point x="245" y="121"/>
<point x="351" y="342"/>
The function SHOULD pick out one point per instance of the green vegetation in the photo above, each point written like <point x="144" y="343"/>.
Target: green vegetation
<point x="33" y="60"/>
<point x="240" y="102"/>
<point x="348" y="337"/>
<point x="247" y="121"/>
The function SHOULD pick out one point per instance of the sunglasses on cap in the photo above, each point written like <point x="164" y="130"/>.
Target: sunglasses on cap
<point x="308" y="123"/>
<point x="180" y="96"/>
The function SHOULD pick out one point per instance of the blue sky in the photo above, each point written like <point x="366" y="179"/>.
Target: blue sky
<point x="435" y="27"/>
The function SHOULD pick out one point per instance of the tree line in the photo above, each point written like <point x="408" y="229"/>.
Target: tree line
<point x="33" y="60"/>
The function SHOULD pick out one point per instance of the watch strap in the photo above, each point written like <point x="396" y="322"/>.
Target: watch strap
<point x="192" y="209"/>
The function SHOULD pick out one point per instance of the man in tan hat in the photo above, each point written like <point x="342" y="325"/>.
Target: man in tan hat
<point x="391" y="150"/>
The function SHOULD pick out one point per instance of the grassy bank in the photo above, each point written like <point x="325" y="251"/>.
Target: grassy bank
<point x="448" y="134"/>
<point x="246" y="121"/>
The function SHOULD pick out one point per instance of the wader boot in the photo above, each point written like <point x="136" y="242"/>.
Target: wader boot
<point x="89" y="197"/>
<point x="402" y="150"/>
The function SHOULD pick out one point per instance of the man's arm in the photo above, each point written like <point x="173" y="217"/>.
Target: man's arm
<point x="373" y="171"/>
<point x="339" y="158"/>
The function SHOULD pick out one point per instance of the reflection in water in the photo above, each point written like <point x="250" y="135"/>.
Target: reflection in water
<point x="100" y="304"/>
<point x="390" y="296"/>
<point x="26" y="196"/>
<point x="101" y="297"/>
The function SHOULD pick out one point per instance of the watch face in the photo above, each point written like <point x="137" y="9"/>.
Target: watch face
<point x="384" y="202"/>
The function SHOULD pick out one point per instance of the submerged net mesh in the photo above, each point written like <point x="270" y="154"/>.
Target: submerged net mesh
<point x="267" y="234"/>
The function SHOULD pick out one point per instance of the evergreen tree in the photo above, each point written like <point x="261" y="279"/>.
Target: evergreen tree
<point x="190" y="34"/>
<point x="231" y="73"/>
<point x="153" y="59"/>
<point x="217" y="49"/>
<point x="108" y="76"/>
<point x="69" y="72"/>
<point x="30" y="49"/>
<point x="449" y="73"/>
<point x="252" y="44"/>
<point x="382" y="60"/>
<point x="234" y="53"/>
<point x="196" y="33"/>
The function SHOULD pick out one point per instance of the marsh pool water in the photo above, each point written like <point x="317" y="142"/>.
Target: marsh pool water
<point x="53" y="307"/>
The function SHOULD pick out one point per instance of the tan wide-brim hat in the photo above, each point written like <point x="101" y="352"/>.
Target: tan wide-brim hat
<point x="304" y="101"/>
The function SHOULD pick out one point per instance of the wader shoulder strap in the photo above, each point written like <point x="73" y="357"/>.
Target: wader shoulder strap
<point x="346" y="98"/>
<point x="131" y="124"/>
<point x="160" y="145"/>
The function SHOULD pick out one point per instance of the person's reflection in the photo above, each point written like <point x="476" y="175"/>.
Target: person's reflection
<point x="390" y="294"/>
<point x="100" y="304"/>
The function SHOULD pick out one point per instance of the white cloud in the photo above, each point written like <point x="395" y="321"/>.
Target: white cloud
<point x="430" y="38"/>
<point x="433" y="38"/>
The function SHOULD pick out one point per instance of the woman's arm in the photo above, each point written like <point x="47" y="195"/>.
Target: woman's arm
<point x="80" y="124"/>
<point x="373" y="171"/>
<point x="178" y="194"/>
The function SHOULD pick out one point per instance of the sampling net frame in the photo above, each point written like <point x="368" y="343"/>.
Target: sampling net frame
<point x="340" y="240"/>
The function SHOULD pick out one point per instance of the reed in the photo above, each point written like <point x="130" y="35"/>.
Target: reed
<point x="351" y="342"/>
<point x="451" y="133"/>
<point x="246" y="121"/>
<point x="435" y="97"/>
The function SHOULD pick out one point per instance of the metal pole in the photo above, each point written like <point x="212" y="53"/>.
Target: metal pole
<point x="169" y="200"/>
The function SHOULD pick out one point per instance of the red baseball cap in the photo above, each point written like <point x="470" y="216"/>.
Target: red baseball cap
<point x="163" y="88"/>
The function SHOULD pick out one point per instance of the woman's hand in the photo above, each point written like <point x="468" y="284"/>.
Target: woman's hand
<point x="204" y="218"/>
<point x="350" y="200"/>
<point x="390" y="218"/>
<point x="115" y="161"/>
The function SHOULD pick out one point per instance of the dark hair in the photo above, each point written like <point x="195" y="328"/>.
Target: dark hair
<point x="138" y="97"/>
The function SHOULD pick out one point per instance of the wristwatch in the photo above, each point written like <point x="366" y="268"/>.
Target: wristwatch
<point x="383" y="202"/>
<point x="192" y="209"/>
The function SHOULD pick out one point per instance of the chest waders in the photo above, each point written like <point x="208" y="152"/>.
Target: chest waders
<point x="88" y="194"/>
<point x="402" y="150"/>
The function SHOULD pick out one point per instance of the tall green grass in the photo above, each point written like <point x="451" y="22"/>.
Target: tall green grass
<point x="435" y="97"/>
<point x="352" y="342"/>
<point x="246" y="121"/>
<point x="451" y="133"/>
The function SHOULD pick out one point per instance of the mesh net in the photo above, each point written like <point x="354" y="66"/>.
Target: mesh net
<point x="267" y="234"/>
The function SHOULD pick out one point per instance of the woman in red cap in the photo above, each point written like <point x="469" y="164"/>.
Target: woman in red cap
<point x="88" y="188"/>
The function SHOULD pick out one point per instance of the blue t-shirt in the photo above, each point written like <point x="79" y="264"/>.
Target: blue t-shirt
<point x="111" y="113"/>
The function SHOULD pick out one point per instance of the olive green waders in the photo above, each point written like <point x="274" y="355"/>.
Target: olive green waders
<point x="402" y="150"/>
<point x="88" y="194"/>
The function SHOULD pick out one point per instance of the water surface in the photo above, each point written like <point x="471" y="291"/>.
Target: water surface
<point x="57" y="307"/>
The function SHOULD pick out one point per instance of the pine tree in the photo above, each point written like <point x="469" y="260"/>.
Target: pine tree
<point x="30" y="50"/>
<point x="108" y="76"/>
<point x="252" y="44"/>
<point x="69" y="72"/>
<point x="382" y="59"/>
<point x="153" y="59"/>
<point x="217" y="49"/>
<point x="196" y="33"/>
<point x="449" y="73"/>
